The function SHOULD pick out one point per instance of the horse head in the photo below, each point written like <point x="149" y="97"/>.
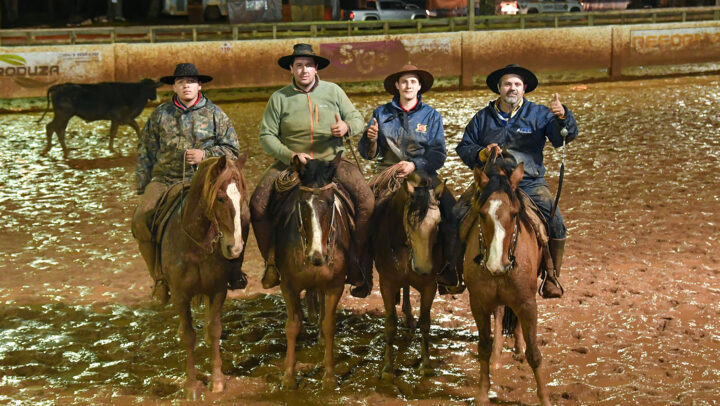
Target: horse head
<point x="316" y="207"/>
<point x="421" y="219"/>
<point x="498" y="208"/>
<point x="224" y="203"/>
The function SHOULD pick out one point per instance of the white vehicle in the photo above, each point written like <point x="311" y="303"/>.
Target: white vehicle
<point x="212" y="9"/>
<point x="548" y="6"/>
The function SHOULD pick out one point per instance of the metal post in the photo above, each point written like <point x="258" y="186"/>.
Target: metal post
<point x="471" y="15"/>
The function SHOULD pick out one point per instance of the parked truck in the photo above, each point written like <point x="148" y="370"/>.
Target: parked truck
<point x="385" y="10"/>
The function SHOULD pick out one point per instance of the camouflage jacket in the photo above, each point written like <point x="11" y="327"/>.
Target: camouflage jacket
<point x="171" y="130"/>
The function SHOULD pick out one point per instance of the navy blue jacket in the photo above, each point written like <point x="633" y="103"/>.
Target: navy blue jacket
<point x="418" y="135"/>
<point x="523" y="136"/>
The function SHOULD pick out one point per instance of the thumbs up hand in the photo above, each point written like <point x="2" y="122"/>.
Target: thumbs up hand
<point x="556" y="107"/>
<point x="340" y="128"/>
<point x="372" y="131"/>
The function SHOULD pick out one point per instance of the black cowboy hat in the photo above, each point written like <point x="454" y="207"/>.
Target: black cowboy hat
<point x="425" y="78"/>
<point x="185" y="70"/>
<point x="529" y="78"/>
<point x="303" y="50"/>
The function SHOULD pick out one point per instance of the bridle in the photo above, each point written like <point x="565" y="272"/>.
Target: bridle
<point x="406" y="244"/>
<point x="333" y="226"/>
<point x="479" y="259"/>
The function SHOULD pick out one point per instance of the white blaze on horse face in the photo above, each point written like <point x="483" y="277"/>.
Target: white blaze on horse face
<point x="236" y="199"/>
<point x="421" y="241"/>
<point x="494" y="259"/>
<point x="316" y="241"/>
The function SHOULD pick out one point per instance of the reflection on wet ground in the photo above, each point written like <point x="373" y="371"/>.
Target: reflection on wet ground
<point x="639" y="324"/>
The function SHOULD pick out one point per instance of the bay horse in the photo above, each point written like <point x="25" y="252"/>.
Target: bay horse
<point x="501" y="265"/>
<point x="204" y="239"/>
<point x="409" y="254"/>
<point x="311" y="246"/>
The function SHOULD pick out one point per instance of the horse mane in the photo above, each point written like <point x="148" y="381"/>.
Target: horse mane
<point x="499" y="181"/>
<point x="211" y="186"/>
<point x="419" y="200"/>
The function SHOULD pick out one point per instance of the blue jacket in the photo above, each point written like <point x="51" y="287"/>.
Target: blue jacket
<point x="416" y="136"/>
<point x="523" y="135"/>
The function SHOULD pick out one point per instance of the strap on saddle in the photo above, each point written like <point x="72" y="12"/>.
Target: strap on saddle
<point x="166" y="205"/>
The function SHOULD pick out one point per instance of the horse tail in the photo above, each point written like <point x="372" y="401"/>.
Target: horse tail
<point x="47" y="106"/>
<point x="509" y="323"/>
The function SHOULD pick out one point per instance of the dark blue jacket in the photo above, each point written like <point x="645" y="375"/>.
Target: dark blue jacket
<point x="523" y="136"/>
<point x="418" y="134"/>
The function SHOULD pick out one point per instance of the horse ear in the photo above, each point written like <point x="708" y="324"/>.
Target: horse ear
<point x="440" y="189"/>
<point x="296" y="164"/>
<point x="221" y="163"/>
<point x="336" y="160"/>
<point x="517" y="175"/>
<point x="408" y="186"/>
<point x="240" y="163"/>
<point x="481" y="178"/>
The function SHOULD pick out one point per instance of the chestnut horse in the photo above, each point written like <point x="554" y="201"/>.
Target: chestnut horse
<point x="311" y="244"/>
<point x="501" y="265"/>
<point x="408" y="254"/>
<point x="205" y="237"/>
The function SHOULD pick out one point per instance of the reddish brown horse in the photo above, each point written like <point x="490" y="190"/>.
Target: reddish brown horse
<point x="311" y="247"/>
<point x="204" y="239"/>
<point x="408" y="254"/>
<point x="501" y="266"/>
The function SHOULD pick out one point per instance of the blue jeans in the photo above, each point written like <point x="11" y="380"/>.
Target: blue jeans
<point x="540" y="194"/>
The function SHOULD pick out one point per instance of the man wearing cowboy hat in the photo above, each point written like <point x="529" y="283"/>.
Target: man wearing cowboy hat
<point x="307" y="120"/>
<point x="520" y="127"/>
<point x="407" y="135"/>
<point x="179" y="134"/>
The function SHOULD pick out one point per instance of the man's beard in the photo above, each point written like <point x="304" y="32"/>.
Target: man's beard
<point x="511" y="99"/>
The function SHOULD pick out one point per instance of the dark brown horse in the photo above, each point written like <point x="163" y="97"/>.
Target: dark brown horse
<point x="408" y="252"/>
<point x="501" y="266"/>
<point x="311" y="247"/>
<point x="204" y="239"/>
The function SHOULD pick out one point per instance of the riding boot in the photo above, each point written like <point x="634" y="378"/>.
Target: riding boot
<point x="551" y="287"/>
<point x="160" y="290"/>
<point x="459" y="286"/>
<point x="362" y="276"/>
<point x="271" y="277"/>
<point x="237" y="279"/>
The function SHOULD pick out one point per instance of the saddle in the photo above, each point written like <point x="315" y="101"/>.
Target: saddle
<point x="289" y="181"/>
<point x="166" y="205"/>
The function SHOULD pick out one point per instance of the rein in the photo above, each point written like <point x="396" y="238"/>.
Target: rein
<point x="563" y="134"/>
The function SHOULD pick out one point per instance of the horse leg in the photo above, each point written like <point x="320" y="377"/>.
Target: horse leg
<point x="186" y="331"/>
<point x="113" y="131"/>
<point x="482" y="320"/>
<point x="407" y="308"/>
<point x="332" y="297"/>
<point x="527" y="315"/>
<point x="520" y="345"/>
<point x="292" y="329"/>
<point x="388" y="293"/>
<point x="214" y="330"/>
<point x="498" y="338"/>
<point x="427" y="296"/>
<point x="320" y="299"/>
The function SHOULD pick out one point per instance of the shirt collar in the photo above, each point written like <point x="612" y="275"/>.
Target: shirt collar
<point x="297" y="88"/>
<point x="179" y="104"/>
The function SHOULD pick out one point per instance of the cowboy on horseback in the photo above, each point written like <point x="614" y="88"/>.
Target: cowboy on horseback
<point x="520" y="127"/>
<point x="407" y="135"/>
<point x="179" y="134"/>
<point x="307" y="120"/>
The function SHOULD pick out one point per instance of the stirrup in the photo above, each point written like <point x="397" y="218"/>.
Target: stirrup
<point x="361" y="291"/>
<point x="546" y="291"/>
<point x="271" y="278"/>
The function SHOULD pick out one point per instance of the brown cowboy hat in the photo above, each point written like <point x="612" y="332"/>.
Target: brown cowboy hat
<point x="529" y="78"/>
<point x="425" y="78"/>
<point x="303" y="50"/>
<point x="185" y="70"/>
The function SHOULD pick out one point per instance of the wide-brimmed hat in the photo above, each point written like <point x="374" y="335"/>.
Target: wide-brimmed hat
<point x="303" y="50"/>
<point x="185" y="70"/>
<point x="425" y="78"/>
<point x="529" y="78"/>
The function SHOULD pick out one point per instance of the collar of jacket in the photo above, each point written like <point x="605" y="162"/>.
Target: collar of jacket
<point x="199" y="102"/>
<point x="297" y="88"/>
<point x="505" y="116"/>
<point x="400" y="112"/>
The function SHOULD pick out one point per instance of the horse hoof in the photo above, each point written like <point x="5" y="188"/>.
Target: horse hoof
<point x="329" y="382"/>
<point x="44" y="152"/>
<point x="387" y="376"/>
<point x="483" y="400"/>
<point x="410" y="324"/>
<point x="218" y="384"/>
<point x="289" y="383"/>
<point x="193" y="391"/>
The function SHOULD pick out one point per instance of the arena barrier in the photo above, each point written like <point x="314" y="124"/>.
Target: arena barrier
<point x="562" y="54"/>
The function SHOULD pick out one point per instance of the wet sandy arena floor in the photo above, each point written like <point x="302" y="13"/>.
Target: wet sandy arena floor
<point x="638" y="324"/>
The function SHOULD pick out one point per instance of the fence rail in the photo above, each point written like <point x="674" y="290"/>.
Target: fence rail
<point x="226" y="32"/>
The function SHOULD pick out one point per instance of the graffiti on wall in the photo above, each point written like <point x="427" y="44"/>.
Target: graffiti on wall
<point x="40" y="69"/>
<point x="647" y="42"/>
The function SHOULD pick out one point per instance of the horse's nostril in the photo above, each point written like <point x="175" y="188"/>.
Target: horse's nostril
<point x="316" y="259"/>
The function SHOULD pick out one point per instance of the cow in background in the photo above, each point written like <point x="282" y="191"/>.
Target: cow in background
<point x="118" y="102"/>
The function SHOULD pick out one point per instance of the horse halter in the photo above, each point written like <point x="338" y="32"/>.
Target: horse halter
<point x="333" y="227"/>
<point x="479" y="259"/>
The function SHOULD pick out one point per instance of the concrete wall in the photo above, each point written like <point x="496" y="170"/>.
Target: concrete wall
<point x="28" y="71"/>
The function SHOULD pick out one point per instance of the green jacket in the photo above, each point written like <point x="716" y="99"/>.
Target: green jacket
<point x="171" y="130"/>
<point x="296" y="121"/>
